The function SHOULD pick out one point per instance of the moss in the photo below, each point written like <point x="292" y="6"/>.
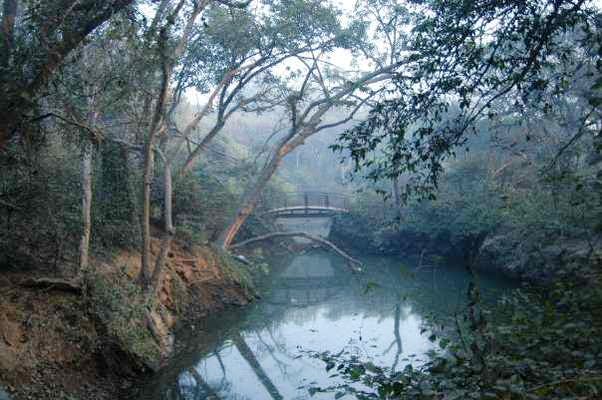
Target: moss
<point x="235" y="270"/>
<point x="119" y="304"/>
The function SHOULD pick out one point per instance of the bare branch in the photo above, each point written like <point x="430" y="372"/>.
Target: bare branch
<point x="351" y="114"/>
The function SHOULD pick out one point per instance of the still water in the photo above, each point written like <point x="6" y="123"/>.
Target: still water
<point x="314" y="303"/>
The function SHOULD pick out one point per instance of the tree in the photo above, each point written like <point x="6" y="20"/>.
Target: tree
<point x="320" y="88"/>
<point x="234" y="58"/>
<point x="468" y="60"/>
<point x="169" y="58"/>
<point x="36" y="39"/>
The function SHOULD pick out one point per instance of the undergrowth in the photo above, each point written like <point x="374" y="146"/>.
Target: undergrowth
<point x="536" y="343"/>
<point x="119" y="304"/>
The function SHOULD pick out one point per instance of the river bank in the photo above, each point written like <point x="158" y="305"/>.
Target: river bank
<point x="499" y="250"/>
<point x="57" y="343"/>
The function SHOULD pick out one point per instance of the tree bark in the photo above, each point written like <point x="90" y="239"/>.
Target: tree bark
<point x="168" y="233"/>
<point x="157" y="127"/>
<point x="86" y="181"/>
<point x="397" y="197"/>
<point x="294" y="139"/>
<point x="149" y="161"/>
<point x="9" y="16"/>
<point x="249" y="202"/>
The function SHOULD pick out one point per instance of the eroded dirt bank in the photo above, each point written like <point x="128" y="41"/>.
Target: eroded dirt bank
<point x="96" y="344"/>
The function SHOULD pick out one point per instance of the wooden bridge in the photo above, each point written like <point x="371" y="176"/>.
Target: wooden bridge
<point x="307" y="204"/>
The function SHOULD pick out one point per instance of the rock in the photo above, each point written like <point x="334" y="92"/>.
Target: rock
<point x="533" y="262"/>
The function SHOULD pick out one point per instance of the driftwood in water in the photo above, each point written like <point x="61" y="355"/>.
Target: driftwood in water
<point x="52" y="284"/>
<point x="316" y="239"/>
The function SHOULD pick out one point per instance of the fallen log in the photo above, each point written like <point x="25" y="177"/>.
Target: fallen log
<point x="316" y="239"/>
<point x="52" y="284"/>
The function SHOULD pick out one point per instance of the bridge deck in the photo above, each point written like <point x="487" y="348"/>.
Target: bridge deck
<point x="302" y="211"/>
<point x="308" y="203"/>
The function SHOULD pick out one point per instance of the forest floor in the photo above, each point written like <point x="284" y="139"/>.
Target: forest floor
<point x="57" y="344"/>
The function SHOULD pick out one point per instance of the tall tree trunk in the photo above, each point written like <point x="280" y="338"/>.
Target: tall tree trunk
<point x="147" y="179"/>
<point x="9" y="16"/>
<point x="158" y="126"/>
<point x="86" y="181"/>
<point x="168" y="233"/>
<point x="397" y="197"/>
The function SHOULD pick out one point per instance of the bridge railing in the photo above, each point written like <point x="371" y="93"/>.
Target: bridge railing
<point x="309" y="199"/>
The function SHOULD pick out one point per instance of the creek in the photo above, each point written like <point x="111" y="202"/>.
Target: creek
<point x="314" y="303"/>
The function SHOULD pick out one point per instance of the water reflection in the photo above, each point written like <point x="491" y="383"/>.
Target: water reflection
<point x="313" y="303"/>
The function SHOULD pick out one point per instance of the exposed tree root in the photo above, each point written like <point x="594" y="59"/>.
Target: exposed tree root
<point x="52" y="284"/>
<point x="316" y="239"/>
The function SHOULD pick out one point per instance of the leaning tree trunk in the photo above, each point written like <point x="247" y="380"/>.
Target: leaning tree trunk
<point x="294" y="139"/>
<point x="250" y="199"/>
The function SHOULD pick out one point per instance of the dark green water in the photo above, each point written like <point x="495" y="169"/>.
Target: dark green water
<point x="313" y="302"/>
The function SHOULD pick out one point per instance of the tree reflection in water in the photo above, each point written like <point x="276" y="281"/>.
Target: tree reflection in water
<point x="313" y="303"/>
